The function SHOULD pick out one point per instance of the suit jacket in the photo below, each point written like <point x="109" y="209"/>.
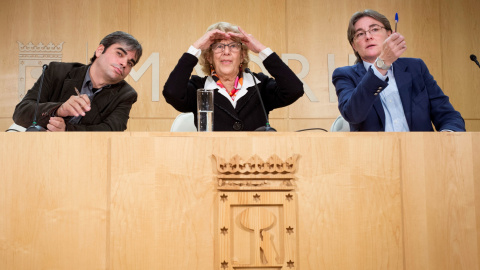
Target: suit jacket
<point x="110" y="108"/>
<point x="181" y="92"/>
<point x="423" y="101"/>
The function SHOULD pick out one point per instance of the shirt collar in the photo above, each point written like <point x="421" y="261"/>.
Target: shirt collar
<point x="87" y="82"/>
<point x="247" y="82"/>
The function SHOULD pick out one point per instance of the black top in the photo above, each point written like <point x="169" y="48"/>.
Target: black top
<point x="180" y="91"/>
<point x="110" y="108"/>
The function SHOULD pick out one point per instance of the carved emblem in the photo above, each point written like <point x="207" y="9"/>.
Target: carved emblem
<point x="33" y="57"/>
<point x="256" y="174"/>
<point x="257" y="225"/>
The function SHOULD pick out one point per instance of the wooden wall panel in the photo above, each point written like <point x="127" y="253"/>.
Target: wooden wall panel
<point x="460" y="25"/>
<point x="52" y="218"/>
<point x="174" y="230"/>
<point x="414" y="194"/>
<point x="451" y="178"/>
<point x="146" y="200"/>
<point x="149" y="124"/>
<point x="335" y="200"/>
<point x="472" y="125"/>
<point x="5" y="123"/>
<point x="143" y="176"/>
<point x="439" y="202"/>
<point x="476" y="176"/>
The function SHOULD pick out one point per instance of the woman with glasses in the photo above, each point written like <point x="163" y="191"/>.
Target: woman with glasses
<point x="223" y="54"/>
<point x="386" y="92"/>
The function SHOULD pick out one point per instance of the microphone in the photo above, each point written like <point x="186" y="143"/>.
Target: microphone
<point x="34" y="127"/>
<point x="267" y="125"/>
<point x="474" y="59"/>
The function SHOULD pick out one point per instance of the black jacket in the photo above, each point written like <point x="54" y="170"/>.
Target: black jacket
<point x="110" y="108"/>
<point x="180" y="91"/>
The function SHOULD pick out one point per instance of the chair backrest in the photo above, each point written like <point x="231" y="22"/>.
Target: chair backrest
<point x="15" y="128"/>
<point x="340" y="125"/>
<point x="184" y="122"/>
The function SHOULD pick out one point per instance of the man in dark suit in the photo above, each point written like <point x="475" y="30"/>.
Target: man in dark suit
<point x="77" y="97"/>
<point x="383" y="92"/>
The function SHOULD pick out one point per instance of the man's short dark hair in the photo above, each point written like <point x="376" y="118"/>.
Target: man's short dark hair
<point x="122" y="38"/>
<point x="357" y="16"/>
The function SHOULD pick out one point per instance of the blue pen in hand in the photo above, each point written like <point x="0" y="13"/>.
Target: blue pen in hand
<point x="396" y="21"/>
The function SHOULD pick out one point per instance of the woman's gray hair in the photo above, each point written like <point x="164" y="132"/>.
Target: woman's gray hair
<point x="357" y="16"/>
<point x="206" y="54"/>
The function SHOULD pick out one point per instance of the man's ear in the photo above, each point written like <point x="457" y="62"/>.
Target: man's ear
<point x="99" y="50"/>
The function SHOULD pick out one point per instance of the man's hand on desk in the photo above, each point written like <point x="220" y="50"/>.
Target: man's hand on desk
<point x="56" y="124"/>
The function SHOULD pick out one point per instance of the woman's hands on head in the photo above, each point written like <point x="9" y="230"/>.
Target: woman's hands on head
<point x="253" y="44"/>
<point x="209" y="37"/>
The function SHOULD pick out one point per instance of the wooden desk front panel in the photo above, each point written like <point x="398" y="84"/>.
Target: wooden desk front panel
<point x="146" y="200"/>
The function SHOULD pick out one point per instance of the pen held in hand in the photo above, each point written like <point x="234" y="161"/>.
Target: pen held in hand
<point x="396" y="21"/>
<point x="79" y="95"/>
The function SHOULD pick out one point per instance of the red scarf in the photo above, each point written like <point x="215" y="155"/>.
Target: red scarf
<point x="236" y="86"/>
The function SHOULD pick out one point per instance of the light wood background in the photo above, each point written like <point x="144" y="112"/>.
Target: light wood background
<point x="443" y="33"/>
<point x="147" y="200"/>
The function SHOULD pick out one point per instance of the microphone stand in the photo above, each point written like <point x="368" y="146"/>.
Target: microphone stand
<point x="267" y="126"/>
<point x="34" y="127"/>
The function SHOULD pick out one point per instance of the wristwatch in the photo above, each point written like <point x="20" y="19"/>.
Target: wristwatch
<point x="381" y="65"/>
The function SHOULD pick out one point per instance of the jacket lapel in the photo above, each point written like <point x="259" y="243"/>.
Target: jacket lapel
<point x="377" y="105"/>
<point x="101" y="101"/>
<point x="74" y="79"/>
<point x="404" y="85"/>
<point x="242" y="102"/>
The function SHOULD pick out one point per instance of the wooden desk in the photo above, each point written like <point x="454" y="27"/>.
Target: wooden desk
<point x="147" y="200"/>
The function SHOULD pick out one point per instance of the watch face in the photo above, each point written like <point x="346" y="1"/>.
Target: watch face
<point x="381" y="64"/>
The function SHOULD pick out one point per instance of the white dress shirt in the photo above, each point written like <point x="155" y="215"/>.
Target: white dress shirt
<point x="392" y="104"/>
